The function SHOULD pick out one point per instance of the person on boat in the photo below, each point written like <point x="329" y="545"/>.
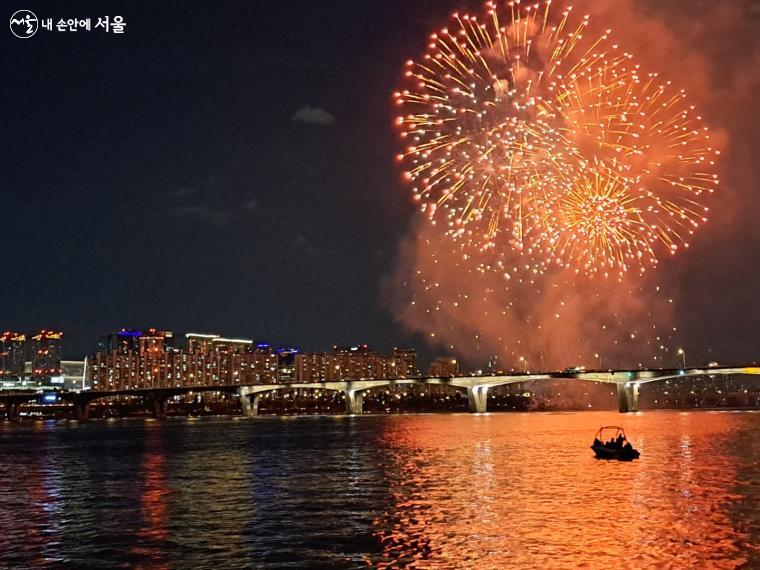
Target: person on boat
<point x="597" y="443"/>
<point x="619" y="441"/>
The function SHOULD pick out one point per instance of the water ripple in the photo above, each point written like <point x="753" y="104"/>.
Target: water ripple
<point x="416" y="491"/>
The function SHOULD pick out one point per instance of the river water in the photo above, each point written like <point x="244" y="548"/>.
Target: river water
<point x="418" y="491"/>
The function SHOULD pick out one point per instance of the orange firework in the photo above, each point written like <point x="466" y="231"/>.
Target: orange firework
<point x="597" y="224"/>
<point x="530" y="133"/>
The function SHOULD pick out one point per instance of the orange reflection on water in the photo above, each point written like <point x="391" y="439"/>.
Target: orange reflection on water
<point x="523" y="490"/>
<point x="153" y="501"/>
<point x="153" y="497"/>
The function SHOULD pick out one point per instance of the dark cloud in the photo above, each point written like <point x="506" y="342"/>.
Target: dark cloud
<point x="181" y="192"/>
<point x="313" y="116"/>
<point x="210" y="181"/>
<point x="304" y="244"/>
<point x="202" y="214"/>
<point x="206" y="201"/>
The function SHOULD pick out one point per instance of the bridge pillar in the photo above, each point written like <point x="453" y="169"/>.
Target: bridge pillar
<point x="158" y="403"/>
<point x="82" y="410"/>
<point x="12" y="411"/>
<point x="477" y="397"/>
<point x="354" y="402"/>
<point x="628" y="397"/>
<point x="249" y="403"/>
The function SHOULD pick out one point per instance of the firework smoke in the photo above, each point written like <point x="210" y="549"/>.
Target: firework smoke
<point x="546" y="260"/>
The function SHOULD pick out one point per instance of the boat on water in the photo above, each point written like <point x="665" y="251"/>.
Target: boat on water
<point x="611" y="443"/>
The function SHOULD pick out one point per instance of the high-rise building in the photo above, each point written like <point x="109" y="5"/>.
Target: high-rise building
<point x="231" y="345"/>
<point x="444" y="366"/>
<point x="209" y="360"/>
<point x="134" y="341"/>
<point x="349" y="363"/>
<point x="73" y="374"/>
<point x="156" y="342"/>
<point x="147" y="360"/>
<point x="353" y="350"/>
<point x="200" y="343"/>
<point x="12" y="354"/>
<point x="46" y="349"/>
<point x="286" y="362"/>
<point x="310" y="367"/>
<point x="121" y="342"/>
<point x="407" y="358"/>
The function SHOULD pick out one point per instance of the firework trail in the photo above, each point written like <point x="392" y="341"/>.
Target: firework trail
<point x="528" y="132"/>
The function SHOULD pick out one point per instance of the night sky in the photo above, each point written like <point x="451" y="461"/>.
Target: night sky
<point x="230" y="168"/>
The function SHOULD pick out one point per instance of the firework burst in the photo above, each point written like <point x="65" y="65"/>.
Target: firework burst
<point x="527" y="132"/>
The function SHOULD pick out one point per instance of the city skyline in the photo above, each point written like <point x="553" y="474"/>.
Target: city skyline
<point x="107" y="341"/>
<point x="18" y="349"/>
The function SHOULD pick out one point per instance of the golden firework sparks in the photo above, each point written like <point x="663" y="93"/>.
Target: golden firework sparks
<point x="529" y="132"/>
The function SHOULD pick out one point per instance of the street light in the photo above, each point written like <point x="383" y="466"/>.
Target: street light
<point x="682" y="352"/>
<point x="525" y="364"/>
<point x="596" y="355"/>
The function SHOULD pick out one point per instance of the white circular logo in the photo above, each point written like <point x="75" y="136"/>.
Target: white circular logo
<point x="24" y="24"/>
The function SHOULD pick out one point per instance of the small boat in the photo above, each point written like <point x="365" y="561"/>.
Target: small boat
<point x="611" y="443"/>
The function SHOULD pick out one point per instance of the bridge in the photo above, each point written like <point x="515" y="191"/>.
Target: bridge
<point x="627" y="382"/>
